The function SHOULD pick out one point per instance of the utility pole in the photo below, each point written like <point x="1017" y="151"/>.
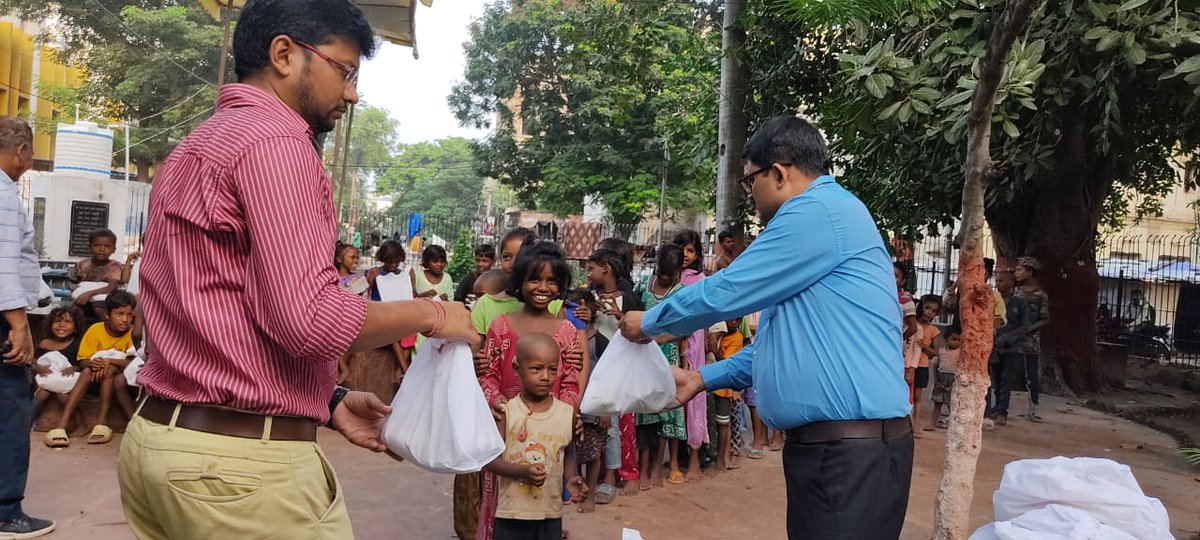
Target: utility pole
<point x="345" y="159"/>
<point x="226" y="20"/>
<point x="731" y="127"/>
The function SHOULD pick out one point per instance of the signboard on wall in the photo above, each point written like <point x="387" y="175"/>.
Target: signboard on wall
<point x="86" y="216"/>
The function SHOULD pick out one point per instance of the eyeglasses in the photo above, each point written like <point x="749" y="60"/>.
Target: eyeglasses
<point x="350" y="73"/>
<point x="747" y="182"/>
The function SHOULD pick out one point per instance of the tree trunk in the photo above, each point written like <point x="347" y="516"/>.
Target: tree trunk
<point x="1065" y="204"/>
<point x="732" y="123"/>
<point x="143" y="170"/>
<point x="952" y="509"/>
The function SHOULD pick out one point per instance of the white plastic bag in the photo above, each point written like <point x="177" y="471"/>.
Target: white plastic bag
<point x="394" y="287"/>
<point x="85" y="287"/>
<point x="56" y="381"/>
<point x="135" y="281"/>
<point x="440" y="420"/>
<point x="1102" y="488"/>
<point x="135" y="365"/>
<point x="629" y="377"/>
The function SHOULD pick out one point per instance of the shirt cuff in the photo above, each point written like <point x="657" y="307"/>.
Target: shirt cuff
<point x="717" y="376"/>
<point x="650" y="322"/>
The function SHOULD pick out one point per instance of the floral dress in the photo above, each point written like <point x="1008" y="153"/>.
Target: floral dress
<point x="672" y="423"/>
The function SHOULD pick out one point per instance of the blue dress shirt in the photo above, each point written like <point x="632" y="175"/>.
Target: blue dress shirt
<point x="828" y="343"/>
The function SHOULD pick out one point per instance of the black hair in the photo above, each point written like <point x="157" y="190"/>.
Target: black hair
<point x="989" y="265"/>
<point x="315" y="22"/>
<point x="339" y="250"/>
<point x="526" y="236"/>
<point x="953" y="330"/>
<point x="897" y="265"/>
<point x="486" y="251"/>
<point x="583" y="297"/>
<point x="688" y="237"/>
<point x="787" y="139"/>
<point x="624" y="251"/>
<point x="119" y="299"/>
<point x="533" y="258"/>
<point x="102" y="233"/>
<point x="927" y="299"/>
<point x="607" y="257"/>
<point x="433" y="253"/>
<point x="670" y="260"/>
<point x="59" y="312"/>
<point x="388" y="251"/>
<point x="724" y="234"/>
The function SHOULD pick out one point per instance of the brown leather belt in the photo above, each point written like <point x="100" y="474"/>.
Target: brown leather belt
<point x="229" y="422"/>
<point x="821" y="432"/>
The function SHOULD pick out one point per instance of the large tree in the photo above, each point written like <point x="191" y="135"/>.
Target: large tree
<point x="1097" y="100"/>
<point x="435" y="177"/>
<point x="595" y="97"/>
<point x="152" y="62"/>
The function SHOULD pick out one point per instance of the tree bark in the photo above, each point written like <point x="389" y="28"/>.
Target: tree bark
<point x="1054" y="219"/>
<point x="951" y="517"/>
<point x="732" y="124"/>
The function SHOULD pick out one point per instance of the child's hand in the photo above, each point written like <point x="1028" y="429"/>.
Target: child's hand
<point x="499" y="409"/>
<point x="83" y="299"/>
<point x="444" y="298"/>
<point x="584" y="314"/>
<point x="578" y="489"/>
<point x="482" y="362"/>
<point x="535" y="475"/>
<point x="574" y="356"/>
<point x="605" y="422"/>
<point x="39" y="369"/>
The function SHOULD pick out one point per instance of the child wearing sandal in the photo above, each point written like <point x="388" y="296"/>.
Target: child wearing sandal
<point x="114" y="334"/>
<point x="64" y="330"/>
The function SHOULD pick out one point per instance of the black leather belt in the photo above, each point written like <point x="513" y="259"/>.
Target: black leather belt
<point x="836" y="430"/>
<point x="228" y="422"/>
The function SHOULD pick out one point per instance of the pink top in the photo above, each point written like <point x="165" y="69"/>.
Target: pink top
<point x="501" y="381"/>
<point x="238" y="285"/>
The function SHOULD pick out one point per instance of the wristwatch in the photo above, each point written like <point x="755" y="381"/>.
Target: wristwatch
<point x="339" y="393"/>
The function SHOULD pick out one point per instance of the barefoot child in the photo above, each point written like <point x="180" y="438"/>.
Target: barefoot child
<point x="945" y="366"/>
<point x="659" y="432"/>
<point x="537" y="428"/>
<point x="391" y="257"/>
<point x="931" y="305"/>
<point x="540" y="275"/>
<point x="726" y="400"/>
<point x="911" y="326"/>
<point x="111" y="335"/>
<point x="64" y="330"/>
<point x="693" y="357"/>
<point x="99" y="268"/>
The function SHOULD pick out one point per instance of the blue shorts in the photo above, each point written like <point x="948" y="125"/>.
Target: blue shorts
<point x="748" y="397"/>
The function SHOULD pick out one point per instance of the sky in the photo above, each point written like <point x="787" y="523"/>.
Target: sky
<point x="414" y="90"/>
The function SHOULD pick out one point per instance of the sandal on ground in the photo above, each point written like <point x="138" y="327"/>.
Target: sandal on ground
<point x="1033" y="418"/>
<point x="100" y="434"/>
<point x="605" y="493"/>
<point x="942" y="423"/>
<point x="676" y="478"/>
<point x="57" y="438"/>
<point x="756" y="453"/>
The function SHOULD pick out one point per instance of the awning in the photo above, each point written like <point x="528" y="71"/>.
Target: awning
<point x="393" y="20"/>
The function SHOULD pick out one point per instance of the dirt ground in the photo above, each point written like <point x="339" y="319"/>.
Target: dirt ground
<point x="77" y="486"/>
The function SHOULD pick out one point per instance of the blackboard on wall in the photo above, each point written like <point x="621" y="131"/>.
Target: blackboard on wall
<point x="86" y="216"/>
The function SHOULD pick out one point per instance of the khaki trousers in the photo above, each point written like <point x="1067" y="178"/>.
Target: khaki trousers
<point x="179" y="484"/>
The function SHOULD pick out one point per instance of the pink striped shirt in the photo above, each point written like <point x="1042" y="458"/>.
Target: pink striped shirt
<point x="238" y="286"/>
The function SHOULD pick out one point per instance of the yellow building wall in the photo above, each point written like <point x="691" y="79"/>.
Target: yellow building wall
<point x="17" y="83"/>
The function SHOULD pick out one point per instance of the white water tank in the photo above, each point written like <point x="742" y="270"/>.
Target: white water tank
<point x="83" y="150"/>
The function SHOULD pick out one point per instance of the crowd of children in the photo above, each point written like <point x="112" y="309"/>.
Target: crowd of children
<point x="90" y="342"/>
<point x="544" y="332"/>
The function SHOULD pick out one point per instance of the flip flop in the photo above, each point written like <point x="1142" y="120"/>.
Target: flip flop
<point x="57" y="438"/>
<point x="756" y="453"/>
<point x="100" y="434"/>
<point x="676" y="478"/>
<point x="605" y="493"/>
<point x="942" y="423"/>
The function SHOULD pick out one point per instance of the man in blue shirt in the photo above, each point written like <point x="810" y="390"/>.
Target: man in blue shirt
<point x="826" y="364"/>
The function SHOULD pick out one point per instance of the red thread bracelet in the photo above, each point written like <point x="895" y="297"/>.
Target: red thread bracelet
<point x="441" y="319"/>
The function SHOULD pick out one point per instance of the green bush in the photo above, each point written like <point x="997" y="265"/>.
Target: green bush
<point x="462" y="256"/>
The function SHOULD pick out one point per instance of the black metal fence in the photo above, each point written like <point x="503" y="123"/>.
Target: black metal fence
<point x="1149" y="294"/>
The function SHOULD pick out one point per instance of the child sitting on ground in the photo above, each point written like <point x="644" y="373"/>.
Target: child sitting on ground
<point x="64" y="329"/>
<point x="97" y="269"/>
<point x="537" y="428"/>
<point x="945" y="366"/>
<point x="114" y="334"/>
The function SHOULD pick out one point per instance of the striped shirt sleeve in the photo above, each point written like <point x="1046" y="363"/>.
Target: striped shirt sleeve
<point x="291" y="285"/>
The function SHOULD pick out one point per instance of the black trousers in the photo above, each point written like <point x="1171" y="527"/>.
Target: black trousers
<point x="520" y="529"/>
<point x="852" y="489"/>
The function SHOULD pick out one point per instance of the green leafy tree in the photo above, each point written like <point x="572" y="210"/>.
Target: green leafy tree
<point x="1095" y="100"/>
<point x="153" y="62"/>
<point x="436" y="177"/>
<point x="586" y="95"/>
<point x="373" y="141"/>
<point x="462" y="256"/>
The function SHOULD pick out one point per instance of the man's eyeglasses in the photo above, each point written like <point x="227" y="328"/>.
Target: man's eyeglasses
<point x="747" y="182"/>
<point x="349" y="73"/>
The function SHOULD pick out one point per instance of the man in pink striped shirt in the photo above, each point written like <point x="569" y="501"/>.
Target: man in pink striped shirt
<point x="244" y="317"/>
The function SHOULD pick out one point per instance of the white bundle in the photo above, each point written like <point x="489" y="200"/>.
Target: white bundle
<point x="629" y="377"/>
<point x="56" y="381"/>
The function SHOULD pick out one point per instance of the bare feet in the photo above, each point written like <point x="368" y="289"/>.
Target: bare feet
<point x="631" y="488"/>
<point x="712" y="472"/>
<point x="588" y="505"/>
<point x="694" y="476"/>
<point x="776" y="445"/>
<point x="656" y="480"/>
<point x="733" y="463"/>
